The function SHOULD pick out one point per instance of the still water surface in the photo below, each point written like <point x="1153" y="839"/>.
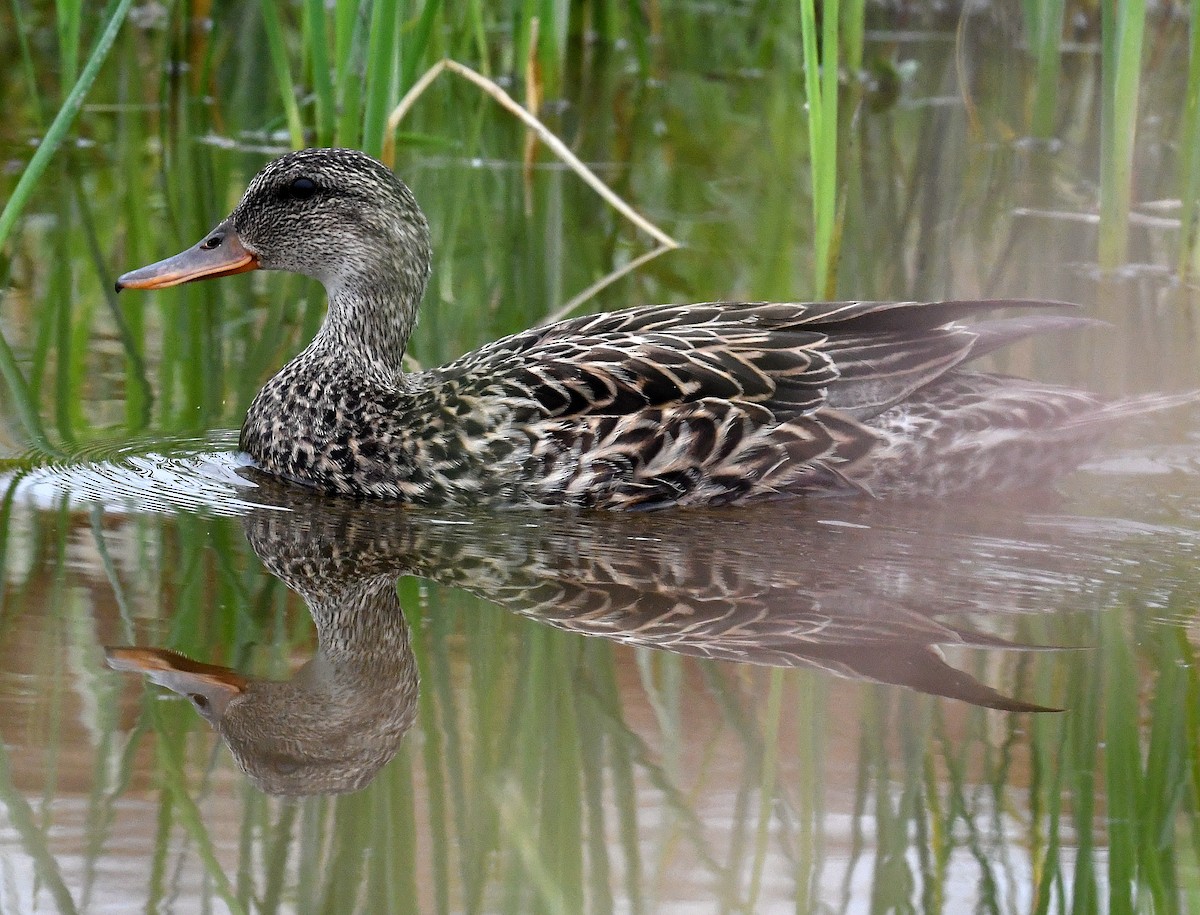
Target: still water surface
<point x="830" y="705"/>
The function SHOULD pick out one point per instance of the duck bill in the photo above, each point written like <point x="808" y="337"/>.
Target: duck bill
<point x="180" y="674"/>
<point x="221" y="253"/>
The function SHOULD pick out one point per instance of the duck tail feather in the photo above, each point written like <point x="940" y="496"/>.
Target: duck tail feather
<point x="1129" y="407"/>
<point x="997" y="334"/>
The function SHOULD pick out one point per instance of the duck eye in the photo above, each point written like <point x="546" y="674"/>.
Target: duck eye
<point x="301" y="188"/>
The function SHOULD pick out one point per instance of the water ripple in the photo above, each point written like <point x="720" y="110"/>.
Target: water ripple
<point x="204" y="475"/>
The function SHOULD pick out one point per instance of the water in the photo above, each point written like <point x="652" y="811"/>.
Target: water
<point x="817" y="706"/>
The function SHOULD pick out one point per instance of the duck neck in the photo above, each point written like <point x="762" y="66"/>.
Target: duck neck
<point x="359" y="621"/>
<point x="368" y="326"/>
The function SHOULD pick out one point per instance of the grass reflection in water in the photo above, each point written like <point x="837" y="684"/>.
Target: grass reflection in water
<point x="545" y="771"/>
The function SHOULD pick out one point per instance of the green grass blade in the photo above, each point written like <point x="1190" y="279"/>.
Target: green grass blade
<point x="821" y="86"/>
<point x="277" y="47"/>
<point x="62" y="121"/>
<point x="33" y="837"/>
<point x="69" y="19"/>
<point x="1047" y="29"/>
<point x="1189" y="145"/>
<point x="380" y="76"/>
<point x="854" y="19"/>
<point x="1122" y="26"/>
<point x="24" y="401"/>
<point x="317" y="44"/>
<point x="415" y="51"/>
<point x="352" y="28"/>
<point x="766" y="787"/>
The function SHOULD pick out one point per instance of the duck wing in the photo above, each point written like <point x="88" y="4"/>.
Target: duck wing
<point x="698" y="404"/>
<point x="794" y="359"/>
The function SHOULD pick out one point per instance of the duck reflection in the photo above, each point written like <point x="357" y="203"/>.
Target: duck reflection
<point x="825" y="585"/>
<point x="339" y="719"/>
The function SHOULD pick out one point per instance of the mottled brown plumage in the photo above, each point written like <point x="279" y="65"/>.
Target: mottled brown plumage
<point x="647" y="407"/>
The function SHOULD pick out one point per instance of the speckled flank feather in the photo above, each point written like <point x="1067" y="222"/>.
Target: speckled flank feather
<point x="648" y="407"/>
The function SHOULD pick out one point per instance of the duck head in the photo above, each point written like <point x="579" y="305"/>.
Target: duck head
<point x="209" y="687"/>
<point x="328" y="729"/>
<point x="335" y="215"/>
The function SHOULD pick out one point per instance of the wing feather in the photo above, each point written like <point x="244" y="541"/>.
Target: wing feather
<point x="795" y="359"/>
<point x="712" y="403"/>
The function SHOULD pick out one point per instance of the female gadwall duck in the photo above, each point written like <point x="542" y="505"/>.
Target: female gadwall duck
<point x="648" y="407"/>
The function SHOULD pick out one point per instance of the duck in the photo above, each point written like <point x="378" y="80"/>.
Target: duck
<point x="646" y="407"/>
<point x="336" y="721"/>
<point x="786" y="594"/>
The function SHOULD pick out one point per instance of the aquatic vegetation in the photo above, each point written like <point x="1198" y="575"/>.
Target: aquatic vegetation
<point x="548" y="771"/>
